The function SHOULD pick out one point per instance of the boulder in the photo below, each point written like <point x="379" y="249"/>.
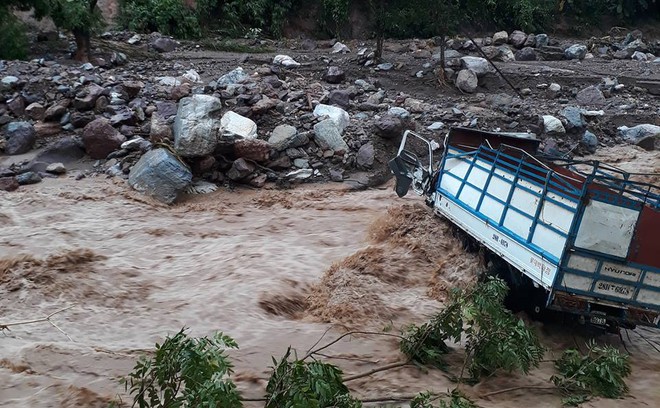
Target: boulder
<point x="123" y="116"/>
<point x="9" y="82"/>
<point x="8" y="183"/>
<point x="54" y="113"/>
<point x="339" y="116"/>
<point x="166" y="109"/>
<point x="163" y="44"/>
<point x="449" y="54"/>
<point x="637" y="55"/>
<point x="550" y="53"/>
<point x="286" y="136"/>
<point x="542" y="40"/>
<point x="67" y="150"/>
<point x="644" y="135"/>
<point x="526" y="54"/>
<point x="285" y="61"/>
<point x="35" y="111"/>
<point x="81" y="119"/>
<point x="385" y="66"/>
<point x="252" y="149"/>
<point x="389" y="126"/>
<point x="365" y="155"/>
<point x="340" y="48"/>
<point x="29" y="177"/>
<point x="500" y="37"/>
<point x="240" y="169"/>
<point x="493" y="52"/>
<point x="16" y="106"/>
<point x="337" y="175"/>
<point x="436" y="126"/>
<point x="196" y="125"/>
<point x="553" y="91"/>
<point x="416" y="105"/>
<point x="86" y="99"/>
<point x="56" y="168"/>
<point x="180" y="91"/>
<point x="160" y="131"/>
<point x="264" y="105"/>
<point x="573" y="117"/>
<point x="625" y="53"/>
<point x="478" y="65"/>
<point x="161" y="175"/>
<point x="100" y="138"/>
<point x="334" y="75"/>
<point x="328" y="136"/>
<point x="137" y="144"/>
<point x="132" y="88"/>
<point x="591" y="96"/>
<point x="552" y="125"/>
<point x="467" y="81"/>
<point x="21" y="137"/>
<point x="234" y="126"/>
<point x="517" y="39"/>
<point x="236" y="76"/>
<point x="339" y="97"/>
<point x="300" y="174"/>
<point x="376" y="98"/>
<point x="589" y="141"/>
<point x="637" y="45"/>
<point x="399" y="112"/>
<point x="576" y="51"/>
<point x="504" y="54"/>
<point x="530" y="41"/>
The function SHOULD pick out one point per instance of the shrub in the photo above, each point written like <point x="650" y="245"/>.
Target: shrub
<point x="601" y="372"/>
<point x="12" y="36"/>
<point x="495" y="339"/>
<point x="185" y="372"/>
<point x="300" y="384"/>
<point x="237" y="17"/>
<point x="171" y="17"/>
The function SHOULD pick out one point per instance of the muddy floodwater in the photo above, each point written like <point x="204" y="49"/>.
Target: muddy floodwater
<point x="271" y="268"/>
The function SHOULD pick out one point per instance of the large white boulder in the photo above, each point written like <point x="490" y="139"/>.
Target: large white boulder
<point x="234" y="126"/>
<point x="337" y="115"/>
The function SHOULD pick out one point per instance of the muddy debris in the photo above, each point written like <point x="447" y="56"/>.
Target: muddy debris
<point x="134" y="98"/>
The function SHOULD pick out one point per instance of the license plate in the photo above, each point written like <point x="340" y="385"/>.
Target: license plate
<point x="598" y="320"/>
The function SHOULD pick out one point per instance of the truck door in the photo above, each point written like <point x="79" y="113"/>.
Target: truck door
<point x="413" y="165"/>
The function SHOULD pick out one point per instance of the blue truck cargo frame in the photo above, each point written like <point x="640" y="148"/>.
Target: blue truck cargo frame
<point x="521" y="168"/>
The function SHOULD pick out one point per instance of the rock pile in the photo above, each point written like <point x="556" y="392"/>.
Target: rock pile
<point x="162" y="126"/>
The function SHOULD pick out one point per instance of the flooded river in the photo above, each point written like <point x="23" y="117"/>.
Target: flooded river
<point x="271" y="268"/>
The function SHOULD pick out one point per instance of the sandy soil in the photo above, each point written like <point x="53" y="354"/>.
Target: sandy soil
<point x="271" y="268"/>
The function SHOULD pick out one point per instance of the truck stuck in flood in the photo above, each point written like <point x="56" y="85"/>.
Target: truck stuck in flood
<point x="581" y="237"/>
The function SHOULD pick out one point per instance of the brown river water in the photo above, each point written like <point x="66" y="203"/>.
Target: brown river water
<point x="271" y="268"/>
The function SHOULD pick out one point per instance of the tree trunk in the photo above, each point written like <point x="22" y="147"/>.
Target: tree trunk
<point x="379" y="46"/>
<point x="83" y="37"/>
<point x="83" y="45"/>
<point x="443" y="45"/>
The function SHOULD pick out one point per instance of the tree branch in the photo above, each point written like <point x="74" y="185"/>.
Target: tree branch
<point x="402" y="398"/>
<point x="376" y="370"/>
<point x="6" y="326"/>
<point x="350" y="333"/>
<point x="523" y="387"/>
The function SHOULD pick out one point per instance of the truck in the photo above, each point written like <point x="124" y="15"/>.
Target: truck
<point x="581" y="237"/>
